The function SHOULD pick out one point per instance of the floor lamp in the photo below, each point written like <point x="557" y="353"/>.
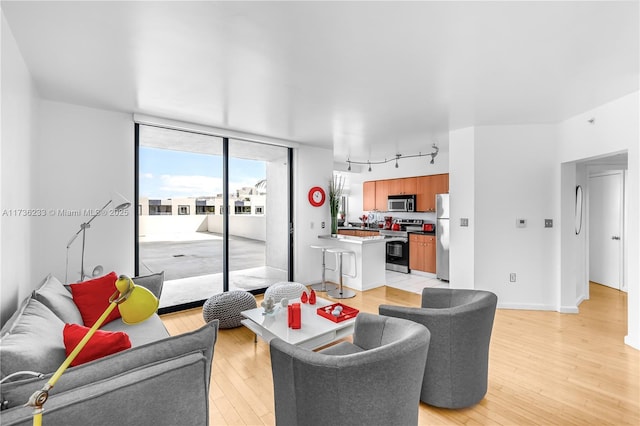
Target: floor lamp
<point x="122" y="204"/>
<point x="136" y="304"/>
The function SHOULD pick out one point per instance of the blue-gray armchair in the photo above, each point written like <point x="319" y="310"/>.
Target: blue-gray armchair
<point x="460" y="322"/>
<point x="375" y="380"/>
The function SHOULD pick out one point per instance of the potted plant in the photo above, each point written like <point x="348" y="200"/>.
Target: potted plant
<point x="336" y="187"/>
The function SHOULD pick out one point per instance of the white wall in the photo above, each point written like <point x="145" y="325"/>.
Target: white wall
<point x="241" y="225"/>
<point x="580" y="246"/>
<point x="312" y="167"/>
<point x="277" y="237"/>
<point x="158" y="225"/>
<point x="568" y="295"/>
<point x="462" y="205"/>
<point x="517" y="176"/>
<point x="83" y="155"/>
<point x="19" y="118"/>
<point x="615" y="129"/>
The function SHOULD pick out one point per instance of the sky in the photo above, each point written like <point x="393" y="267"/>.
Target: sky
<point x="165" y="173"/>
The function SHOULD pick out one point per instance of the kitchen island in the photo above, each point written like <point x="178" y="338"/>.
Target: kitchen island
<point x="363" y="270"/>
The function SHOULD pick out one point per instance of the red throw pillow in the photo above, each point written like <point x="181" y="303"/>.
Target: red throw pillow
<point x="102" y="343"/>
<point x="92" y="298"/>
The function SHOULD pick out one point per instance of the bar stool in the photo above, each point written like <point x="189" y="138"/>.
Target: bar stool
<point x="323" y="285"/>
<point x="340" y="292"/>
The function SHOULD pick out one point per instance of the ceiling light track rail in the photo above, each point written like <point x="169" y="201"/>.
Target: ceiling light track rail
<point x="397" y="157"/>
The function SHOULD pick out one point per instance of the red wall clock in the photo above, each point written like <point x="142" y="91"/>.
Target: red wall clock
<point x="316" y="196"/>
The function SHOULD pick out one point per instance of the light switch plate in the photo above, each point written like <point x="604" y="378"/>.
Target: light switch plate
<point x="521" y="223"/>
<point x="464" y="221"/>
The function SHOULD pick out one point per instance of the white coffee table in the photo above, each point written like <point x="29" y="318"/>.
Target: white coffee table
<point x="315" y="331"/>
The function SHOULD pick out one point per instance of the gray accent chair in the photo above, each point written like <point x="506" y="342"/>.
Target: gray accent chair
<point x="375" y="380"/>
<point x="460" y="322"/>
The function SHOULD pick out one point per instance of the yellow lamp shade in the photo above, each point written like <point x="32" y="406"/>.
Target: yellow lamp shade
<point x="138" y="303"/>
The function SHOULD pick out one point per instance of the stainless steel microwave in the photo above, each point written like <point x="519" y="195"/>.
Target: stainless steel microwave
<point x="401" y="203"/>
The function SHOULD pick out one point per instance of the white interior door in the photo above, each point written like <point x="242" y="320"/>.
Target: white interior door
<point x="605" y="229"/>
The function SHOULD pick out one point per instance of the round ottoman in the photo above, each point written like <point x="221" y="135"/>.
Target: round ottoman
<point x="285" y="290"/>
<point x="226" y="307"/>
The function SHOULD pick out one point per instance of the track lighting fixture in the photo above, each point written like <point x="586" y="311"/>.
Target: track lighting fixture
<point x="432" y="154"/>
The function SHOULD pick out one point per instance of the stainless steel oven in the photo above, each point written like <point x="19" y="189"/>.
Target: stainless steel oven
<point x="397" y="250"/>
<point x="397" y="258"/>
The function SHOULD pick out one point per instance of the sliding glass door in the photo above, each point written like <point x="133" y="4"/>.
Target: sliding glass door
<point x="206" y="217"/>
<point x="258" y="214"/>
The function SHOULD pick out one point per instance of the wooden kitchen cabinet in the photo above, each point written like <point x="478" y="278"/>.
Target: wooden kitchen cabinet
<point x="441" y="183"/>
<point x="422" y="253"/>
<point x="430" y="254"/>
<point x="382" y="193"/>
<point x="376" y="192"/>
<point x="416" y="253"/>
<point x="404" y="186"/>
<point x="369" y="196"/>
<point x="428" y="187"/>
<point x="410" y="185"/>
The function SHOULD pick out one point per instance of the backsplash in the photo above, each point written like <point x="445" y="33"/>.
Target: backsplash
<point x="427" y="217"/>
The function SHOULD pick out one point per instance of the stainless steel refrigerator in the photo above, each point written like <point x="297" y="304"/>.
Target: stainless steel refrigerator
<point x="442" y="236"/>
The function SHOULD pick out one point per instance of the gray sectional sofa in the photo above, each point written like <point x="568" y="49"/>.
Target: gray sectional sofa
<point x="160" y="380"/>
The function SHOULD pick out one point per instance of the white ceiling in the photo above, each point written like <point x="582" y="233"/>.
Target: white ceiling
<point x="367" y="78"/>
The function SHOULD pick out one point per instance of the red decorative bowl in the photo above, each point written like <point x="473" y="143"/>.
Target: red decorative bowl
<point x="347" y="312"/>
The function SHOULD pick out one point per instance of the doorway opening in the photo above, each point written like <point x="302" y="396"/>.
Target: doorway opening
<point x="606" y="228"/>
<point x="606" y="218"/>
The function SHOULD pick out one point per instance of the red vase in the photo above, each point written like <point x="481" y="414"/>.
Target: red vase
<point x="312" y="297"/>
<point x="294" y="316"/>
<point x="303" y="297"/>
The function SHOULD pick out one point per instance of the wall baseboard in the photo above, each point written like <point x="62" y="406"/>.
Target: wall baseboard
<point x="526" y="306"/>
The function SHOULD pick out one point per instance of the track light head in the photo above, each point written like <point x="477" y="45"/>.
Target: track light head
<point x="434" y="153"/>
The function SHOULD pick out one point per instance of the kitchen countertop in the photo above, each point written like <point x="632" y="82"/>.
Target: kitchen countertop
<point x="356" y="240"/>
<point x="359" y="228"/>
<point x="433" y="233"/>
<point x="363" y="266"/>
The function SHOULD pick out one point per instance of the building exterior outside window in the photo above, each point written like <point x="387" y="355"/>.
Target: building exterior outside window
<point x="242" y="202"/>
<point x="205" y="209"/>
<point x="243" y="210"/>
<point x="159" y="210"/>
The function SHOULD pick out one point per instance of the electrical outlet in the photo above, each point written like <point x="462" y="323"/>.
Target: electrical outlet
<point x="512" y="277"/>
<point x="521" y="223"/>
<point x="464" y="221"/>
<point x="548" y="223"/>
<point x="322" y="225"/>
<point x="311" y="225"/>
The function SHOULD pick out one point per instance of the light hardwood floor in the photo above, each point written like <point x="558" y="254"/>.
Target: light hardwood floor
<point x="545" y="368"/>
